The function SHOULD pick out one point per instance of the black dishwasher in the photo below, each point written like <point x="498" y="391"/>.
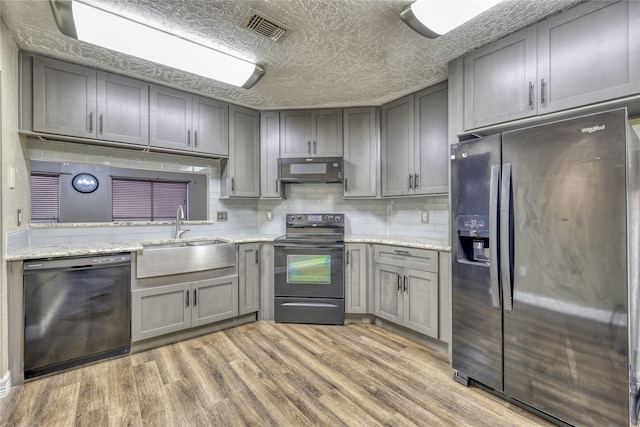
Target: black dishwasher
<point x="76" y="310"/>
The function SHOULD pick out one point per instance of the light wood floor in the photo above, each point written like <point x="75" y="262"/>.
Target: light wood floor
<point x="265" y="374"/>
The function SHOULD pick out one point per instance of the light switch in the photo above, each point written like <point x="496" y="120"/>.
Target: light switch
<point x="11" y="178"/>
<point x="424" y="216"/>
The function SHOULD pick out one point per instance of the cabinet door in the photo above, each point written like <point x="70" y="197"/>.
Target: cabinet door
<point x="170" y="118"/>
<point x="64" y="98"/>
<point x="388" y="292"/>
<point x="160" y="310"/>
<point x="421" y="301"/>
<point x="589" y="54"/>
<point x="326" y="133"/>
<point x="444" y="297"/>
<point x="431" y="143"/>
<point x="248" y="278"/>
<point x="270" y="187"/>
<point x="214" y="300"/>
<point x="361" y="153"/>
<point x="355" y="278"/>
<point x="295" y="132"/>
<point x="210" y="126"/>
<point x="500" y="80"/>
<point x="397" y="147"/>
<point x="244" y="156"/>
<point x="123" y="109"/>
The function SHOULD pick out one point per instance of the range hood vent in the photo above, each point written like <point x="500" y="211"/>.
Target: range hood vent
<point x="264" y="25"/>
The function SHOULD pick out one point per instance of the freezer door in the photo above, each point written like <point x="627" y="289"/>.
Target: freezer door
<point x="565" y="335"/>
<point x="476" y="312"/>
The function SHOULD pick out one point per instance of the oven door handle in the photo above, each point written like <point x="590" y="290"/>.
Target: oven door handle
<point x="309" y="245"/>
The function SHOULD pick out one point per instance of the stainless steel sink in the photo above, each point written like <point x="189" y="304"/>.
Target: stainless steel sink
<point x="162" y="259"/>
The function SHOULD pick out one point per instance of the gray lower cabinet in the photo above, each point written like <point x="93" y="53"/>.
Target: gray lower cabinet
<point x="361" y="152"/>
<point x="241" y="174"/>
<point x="161" y="310"/>
<point x="248" y="277"/>
<point x="406" y="288"/>
<point x="270" y="186"/>
<point x="356" y="278"/>
<point x="187" y="122"/>
<point x="77" y="101"/>
<point x="585" y="55"/>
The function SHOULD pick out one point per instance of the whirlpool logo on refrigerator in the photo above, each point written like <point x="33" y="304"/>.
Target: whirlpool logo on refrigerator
<point x="593" y="129"/>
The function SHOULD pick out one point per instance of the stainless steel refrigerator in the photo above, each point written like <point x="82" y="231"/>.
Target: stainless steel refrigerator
<point x="545" y="267"/>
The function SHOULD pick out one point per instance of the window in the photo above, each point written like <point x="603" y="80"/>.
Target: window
<point x="147" y="200"/>
<point x="45" y="198"/>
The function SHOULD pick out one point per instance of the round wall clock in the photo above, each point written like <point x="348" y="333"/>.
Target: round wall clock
<point x="85" y="183"/>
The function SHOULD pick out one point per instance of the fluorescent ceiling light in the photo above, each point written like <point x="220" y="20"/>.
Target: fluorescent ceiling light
<point x="105" y="29"/>
<point x="433" y="18"/>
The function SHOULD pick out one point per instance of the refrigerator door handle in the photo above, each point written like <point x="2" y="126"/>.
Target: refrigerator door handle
<point x="493" y="236"/>
<point x="505" y="237"/>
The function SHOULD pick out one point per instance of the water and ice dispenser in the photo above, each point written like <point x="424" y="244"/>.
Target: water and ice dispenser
<point x="473" y="236"/>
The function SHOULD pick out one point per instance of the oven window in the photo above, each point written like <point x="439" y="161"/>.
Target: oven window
<point x="314" y="269"/>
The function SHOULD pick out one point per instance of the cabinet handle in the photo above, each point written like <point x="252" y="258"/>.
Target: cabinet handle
<point x="314" y="148"/>
<point x="309" y="146"/>
<point x="405" y="283"/>
<point x="187" y="299"/>
<point x="100" y="129"/>
<point x="90" y="122"/>
<point x="410" y="181"/>
<point x="399" y="252"/>
<point x="189" y="137"/>
<point x="530" y="94"/>
<point x="416" y="181"/>
<point x="195" y="138"/>
<point x="277" y="187"/>
<point x="348" y="252"/>
<point x="233" y="185"/>
<point x="399" y="283"/>
<point x="257" y="254"/>
<point x="346" y="185"/>
<point x="195" y="297"/>
<point x="543" y="85"/>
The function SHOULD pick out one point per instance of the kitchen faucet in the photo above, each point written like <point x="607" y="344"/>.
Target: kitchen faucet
<point x="179" y="216"/>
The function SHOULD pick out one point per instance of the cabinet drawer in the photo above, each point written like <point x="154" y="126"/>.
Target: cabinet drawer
<point x="420" y="259"/>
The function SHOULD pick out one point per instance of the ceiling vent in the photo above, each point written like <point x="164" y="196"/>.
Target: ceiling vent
<point x="264" y="25"/>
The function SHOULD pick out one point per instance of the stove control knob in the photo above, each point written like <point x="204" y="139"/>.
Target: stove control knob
<point x="338" y="218"/>
<point x="299" y="217"/>
<point x="330" y="218"/>
<point x="290" y="219"/>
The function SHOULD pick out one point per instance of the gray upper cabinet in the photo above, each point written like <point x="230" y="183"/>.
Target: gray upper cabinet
<point x="123" y="109"/>
<point x="585" y="55"/>
<point x="431" y="160"/>
<point x="397" y="147"/>
<point x="270" y="186"/>
<point x="64" y="98"/>
<point x="242" y="172"/>
<point x="589" y="54"/>
<point x="305" y="133"/>
<point x="186" y="122"/>
<point x="77" y="101"/>
<point x="500" y="79"/>
<point x="361" y="148"/>
<point x="415" y="143"/>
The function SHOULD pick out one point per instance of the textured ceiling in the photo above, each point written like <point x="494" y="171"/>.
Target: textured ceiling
<point x="340" y="52"/>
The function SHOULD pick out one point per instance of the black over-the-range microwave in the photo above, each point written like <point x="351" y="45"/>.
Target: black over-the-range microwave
<point x="310" y="169"/>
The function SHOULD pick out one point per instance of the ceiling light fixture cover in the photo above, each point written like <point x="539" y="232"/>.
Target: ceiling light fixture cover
<point x="105" y="29"/>
<point x="433" y="18"/>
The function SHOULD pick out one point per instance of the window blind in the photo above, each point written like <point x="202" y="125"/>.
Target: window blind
<point x="45" y="198"/>
<point x="147" y="200"/>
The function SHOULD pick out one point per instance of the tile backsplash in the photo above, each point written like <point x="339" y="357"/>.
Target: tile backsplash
<point x="386" y="217"/>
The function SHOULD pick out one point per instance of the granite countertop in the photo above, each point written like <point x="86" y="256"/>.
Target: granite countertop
<point x="99" y="248"/>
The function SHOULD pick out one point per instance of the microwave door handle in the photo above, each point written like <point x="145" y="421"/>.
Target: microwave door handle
<point x="493" y="236"/>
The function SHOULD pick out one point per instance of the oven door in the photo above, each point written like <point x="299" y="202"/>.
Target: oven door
<point x="309" y="270"/>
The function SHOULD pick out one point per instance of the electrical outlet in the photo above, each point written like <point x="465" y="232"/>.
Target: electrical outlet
<point x="424" y="216"/>
<point x="269" y="215"/>
<point x="222" y="216"/>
